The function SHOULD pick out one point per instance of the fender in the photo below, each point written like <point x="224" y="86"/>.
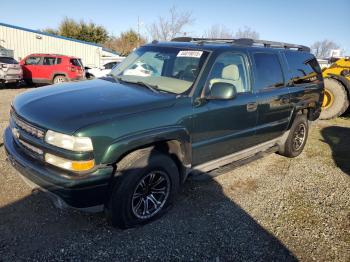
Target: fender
<point x="303" y="107"/>
<point x="126" y="144"/>
<point x="53" y="74"/>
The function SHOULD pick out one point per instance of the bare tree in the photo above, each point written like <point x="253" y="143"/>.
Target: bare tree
<point x="247" y="32"/>
<point x="321" y="49"/>
<point x="167" y="28"/>
<point x="218" y="31"/>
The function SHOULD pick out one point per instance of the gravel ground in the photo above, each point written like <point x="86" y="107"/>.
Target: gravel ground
<point x="273" y="209"/>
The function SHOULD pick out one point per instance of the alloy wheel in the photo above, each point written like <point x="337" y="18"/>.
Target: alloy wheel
<point x="151" y="194"/>
<point x="299" y="136"/>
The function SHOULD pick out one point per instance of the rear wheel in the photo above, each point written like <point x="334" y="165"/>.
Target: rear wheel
<point x="335" y="101"/>
<point x="144" y="190"/>
<point x="59" y="79"/>
<point x="297" y="137"/>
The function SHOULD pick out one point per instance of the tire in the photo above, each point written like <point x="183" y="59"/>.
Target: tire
<point x="296" y="142"/>
<point x="127" y="204"/>
<point x="59" y="79"/>
<point x="336" y="99"/>
<point x="89" y="76"/>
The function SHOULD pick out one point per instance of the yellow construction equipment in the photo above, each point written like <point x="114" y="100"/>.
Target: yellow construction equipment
<point x="337" y="89"/>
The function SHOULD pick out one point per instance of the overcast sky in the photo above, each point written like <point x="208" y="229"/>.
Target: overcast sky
<point x="300" y="22"/>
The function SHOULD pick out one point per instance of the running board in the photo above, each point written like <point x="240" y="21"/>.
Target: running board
<point x="261" y="149"/>
<point x="199" y="176"/>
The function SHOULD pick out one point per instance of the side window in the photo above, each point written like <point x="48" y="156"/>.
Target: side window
<point x="49" y="60"/>
<point x="268" y="71"/>
<point x="110" y="65"/>
<point x="33" y="60"/>
<point x="304" y="67"/>
<point x="230" y="68"/>
<point x="58" y="61"/>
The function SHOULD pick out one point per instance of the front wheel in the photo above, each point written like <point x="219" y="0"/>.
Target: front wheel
<point x="146" y="186"/>
<point x="297" y="137"/>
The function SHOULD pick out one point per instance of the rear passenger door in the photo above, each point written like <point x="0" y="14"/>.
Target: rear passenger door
<point x="48" y="67"/>
<point x="273" y="97"/>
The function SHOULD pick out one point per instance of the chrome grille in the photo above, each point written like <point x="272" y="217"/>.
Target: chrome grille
<point x="31" y="147"/>
<point x="28" y="128"/>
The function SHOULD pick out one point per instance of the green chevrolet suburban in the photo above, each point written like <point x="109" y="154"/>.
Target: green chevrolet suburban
<point x="126" y="142"/>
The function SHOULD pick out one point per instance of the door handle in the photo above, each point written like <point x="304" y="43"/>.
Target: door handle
<point x="251" y="107"/>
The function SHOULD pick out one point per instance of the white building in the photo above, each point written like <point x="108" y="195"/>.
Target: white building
<point x="25" y="41"/>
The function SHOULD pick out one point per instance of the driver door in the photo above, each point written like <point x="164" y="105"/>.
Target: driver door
<point x="223" y="127"/>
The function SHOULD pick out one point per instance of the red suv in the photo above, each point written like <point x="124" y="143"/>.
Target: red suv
<point x="51" y="69"/>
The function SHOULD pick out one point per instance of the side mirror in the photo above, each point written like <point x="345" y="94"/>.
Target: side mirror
<point x="222" y="91"/>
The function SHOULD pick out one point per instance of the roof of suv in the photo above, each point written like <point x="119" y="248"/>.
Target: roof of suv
<point x="217" y="44"/>
<point x="53" y="55"/>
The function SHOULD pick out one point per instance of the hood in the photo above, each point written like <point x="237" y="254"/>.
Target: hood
<point x="68" y="107"/>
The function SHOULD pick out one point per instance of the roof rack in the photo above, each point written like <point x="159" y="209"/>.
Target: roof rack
<point x="244" y="41"/>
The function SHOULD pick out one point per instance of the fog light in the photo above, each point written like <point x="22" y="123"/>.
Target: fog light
<point x="69" y="164"/>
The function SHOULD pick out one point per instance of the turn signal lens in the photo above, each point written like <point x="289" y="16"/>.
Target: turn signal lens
<point x="83" y="165"/>
<point x="69" y="164"/>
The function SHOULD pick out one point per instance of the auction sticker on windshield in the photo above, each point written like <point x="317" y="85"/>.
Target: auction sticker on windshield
<point x="190" y="53"/>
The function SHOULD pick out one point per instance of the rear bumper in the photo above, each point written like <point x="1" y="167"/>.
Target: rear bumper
<point x="77" y="78"/>
<point x="11" y="78"/>
<point x="88" y="192"/>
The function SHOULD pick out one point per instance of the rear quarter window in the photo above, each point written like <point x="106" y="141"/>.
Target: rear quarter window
<point x="268" y="71"/>
<point x="303" y="67"/>
<point x="76" y="62"/>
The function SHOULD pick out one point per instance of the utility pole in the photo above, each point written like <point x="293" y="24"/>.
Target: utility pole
<point x="139" y="24"/>
<point x="138" y="31"/>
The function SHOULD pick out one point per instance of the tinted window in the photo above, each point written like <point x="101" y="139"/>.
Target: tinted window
<point x="8" y="60"/>
<point x="49" y="60"/>
<point x="230" y="68"/>
<point x="268" y="71"/>
<point x="304" y="67"/>
<point x="33" y="60"/>
<point x="58" y="61"/>
<point x="110" y="65"/>
<point x="75" y="62"/>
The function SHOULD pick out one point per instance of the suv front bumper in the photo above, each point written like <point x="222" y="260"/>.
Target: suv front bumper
<point x="88" y="192"/>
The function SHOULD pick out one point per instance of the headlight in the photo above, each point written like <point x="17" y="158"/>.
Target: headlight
<point x="73" y="143"/>
<point x="69" y="164"/>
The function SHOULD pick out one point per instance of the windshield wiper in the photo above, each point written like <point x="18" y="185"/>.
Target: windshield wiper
<point x="153" y="88"/>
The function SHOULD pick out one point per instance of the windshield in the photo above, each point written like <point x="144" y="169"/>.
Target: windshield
<point x="166" y="69"/>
